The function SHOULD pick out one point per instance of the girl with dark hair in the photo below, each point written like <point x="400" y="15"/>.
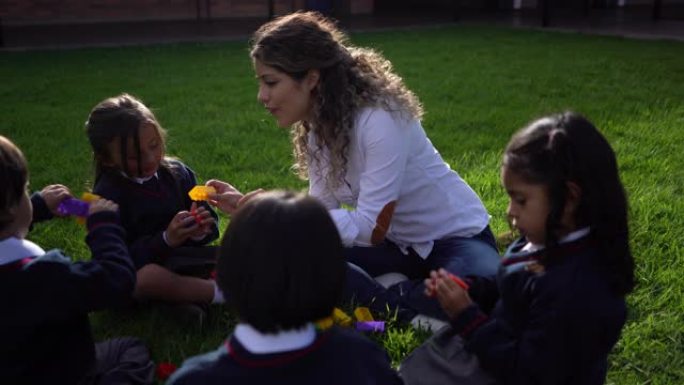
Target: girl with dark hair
<point x="563" y="283"/>
<point x="166" y="231"/>
<point x="282" y="267"/>
<point x="358" y="139"/>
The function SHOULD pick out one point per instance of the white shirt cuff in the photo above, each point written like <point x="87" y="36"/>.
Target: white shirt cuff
<point x="345" y="226"/>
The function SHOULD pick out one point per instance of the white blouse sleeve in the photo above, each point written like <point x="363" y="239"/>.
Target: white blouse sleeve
<point x="317" y="184"/>
<point x="384" y="145"/>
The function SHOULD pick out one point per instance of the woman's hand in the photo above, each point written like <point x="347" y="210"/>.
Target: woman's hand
<point x="452" y="297"/>
<point x="227" y="198"/>
<point x="53" y="195"/>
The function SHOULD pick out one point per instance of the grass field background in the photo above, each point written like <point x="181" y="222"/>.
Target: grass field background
<point x="478" y="86"/>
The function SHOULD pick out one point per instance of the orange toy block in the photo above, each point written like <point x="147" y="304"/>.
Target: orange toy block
<point x="201" y="193"/>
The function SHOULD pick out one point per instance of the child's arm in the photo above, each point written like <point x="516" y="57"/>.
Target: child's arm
<point x="537" y="351"/>
<point x="106" y="280"/>
<point x="112" y="274"/>
<point x="46" y="201"/>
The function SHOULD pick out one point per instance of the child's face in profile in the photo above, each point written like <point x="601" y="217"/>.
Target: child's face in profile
<point x="528" y="207"/>
<point x="151" y="152"/>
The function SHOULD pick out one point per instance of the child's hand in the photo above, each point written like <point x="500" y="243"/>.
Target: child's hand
<point x="452" y="297"/>
<point x="102" y="205"/>
<point x="204" y="221"/>
<point x="227" y="197"/>
<point x="53" y="195"/>
<point x="182" y="226"/>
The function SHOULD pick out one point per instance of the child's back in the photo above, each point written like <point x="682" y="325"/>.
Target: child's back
<point x="45" y="329"/>
<point x="282" y="267"/>
<point x="336" y="356"/>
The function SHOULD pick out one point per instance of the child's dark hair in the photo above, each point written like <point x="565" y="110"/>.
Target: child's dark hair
<point x="118" y="117"/>
<point x="566" y="148"/>
<point x="281" y="262"/>
<point x="13" y="178"/>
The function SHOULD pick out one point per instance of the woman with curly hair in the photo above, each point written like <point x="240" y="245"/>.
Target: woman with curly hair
<point x="358" y="139"/>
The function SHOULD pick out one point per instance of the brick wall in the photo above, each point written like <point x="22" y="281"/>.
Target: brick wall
<point x="18" y="12"/>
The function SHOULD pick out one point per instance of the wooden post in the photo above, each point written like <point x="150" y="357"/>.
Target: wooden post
<point x="657" y="5"/>
<point x="455" y="10"/>
<point x="544" y="12"/>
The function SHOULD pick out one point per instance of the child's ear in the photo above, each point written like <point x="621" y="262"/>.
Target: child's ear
<point x="572" y="200"/>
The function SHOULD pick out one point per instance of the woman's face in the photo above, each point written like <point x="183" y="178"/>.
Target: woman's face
<point x="287" y="99"/>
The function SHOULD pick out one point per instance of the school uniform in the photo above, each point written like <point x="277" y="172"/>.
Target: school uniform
<point x="44" y="328"/>
<point x="334" y="356"/>
<point x="555" y="323"/>
<point x="147" y="206"/>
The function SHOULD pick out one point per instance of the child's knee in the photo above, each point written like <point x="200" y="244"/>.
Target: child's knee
<point x="151" y="279"/>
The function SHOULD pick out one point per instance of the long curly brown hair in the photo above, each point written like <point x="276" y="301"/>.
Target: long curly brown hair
<point x="351" y="78"/>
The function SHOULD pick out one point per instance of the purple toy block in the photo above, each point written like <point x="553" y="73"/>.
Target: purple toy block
<point x="371" y="326"/>
<point x="75" y="207"/>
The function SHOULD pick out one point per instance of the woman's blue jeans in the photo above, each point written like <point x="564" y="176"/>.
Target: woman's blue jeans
<point x="461" y="256"/>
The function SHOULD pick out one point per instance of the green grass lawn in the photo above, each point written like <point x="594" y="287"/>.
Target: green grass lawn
<point x="478" y="85"/>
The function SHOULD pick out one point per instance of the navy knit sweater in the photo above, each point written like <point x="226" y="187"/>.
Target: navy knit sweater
<point x="147" y="209"/>
<point x="556" y="325"/>
<point x="336" y="357"/>
<point x="45" y="335"/>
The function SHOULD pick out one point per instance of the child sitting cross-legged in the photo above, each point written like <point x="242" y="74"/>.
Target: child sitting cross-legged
<point x="282" y="267"/>
<point x="167" y="233"/>
<point x="46" y="298"/>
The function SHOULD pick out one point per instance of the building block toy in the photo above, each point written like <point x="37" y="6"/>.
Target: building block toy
<point x="77" y="207"/>
<point x="201" y="193"/>
<point x="325" y="323"/>
<point x="371" y="326"/>
<point x="74" y="207"/>
<point x="362" y="314"/>
<point x="341" y="318"/>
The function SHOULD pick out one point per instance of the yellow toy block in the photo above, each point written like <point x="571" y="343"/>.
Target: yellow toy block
<point x="325" y="323"/>
<point x="341" y="318"/>
<point x="362" y="314"/>
<point x="89" y="197"/>
<point x="201" y="193"/>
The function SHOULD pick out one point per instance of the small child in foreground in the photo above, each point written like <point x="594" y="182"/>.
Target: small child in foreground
<point x="282" y="267"/>
<point x="562" y="285"/>
<point x="44" y="329"/>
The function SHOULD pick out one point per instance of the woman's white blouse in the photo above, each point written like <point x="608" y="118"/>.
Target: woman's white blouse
<point x="397" y="186"/>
